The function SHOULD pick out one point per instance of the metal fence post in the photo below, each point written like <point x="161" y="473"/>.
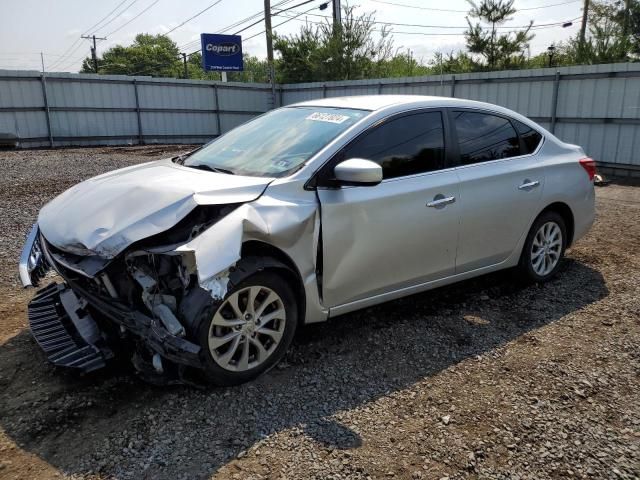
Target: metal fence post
<point x="324" y="90"/>
<point x="453" y="86"/>
<point x="380" y="88"/>
<point x="218" y="123"/>
<point x="138" y="116"/>
<point x="46" y="108"/>
<point x="554" y="101"/>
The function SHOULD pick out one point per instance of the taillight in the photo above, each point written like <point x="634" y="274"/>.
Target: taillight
<point x="589" y="166"/>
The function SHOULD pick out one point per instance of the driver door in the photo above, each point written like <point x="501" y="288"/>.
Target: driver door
<point x="401" y="232"/>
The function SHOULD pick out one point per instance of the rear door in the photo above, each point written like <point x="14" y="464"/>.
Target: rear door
<point x="501" y="184"/>
<point x="400" y="232"/>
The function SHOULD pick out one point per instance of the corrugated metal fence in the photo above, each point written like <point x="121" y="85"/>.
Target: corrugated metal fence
<point x="595" y="106"/>
<point x="70" y="109"/>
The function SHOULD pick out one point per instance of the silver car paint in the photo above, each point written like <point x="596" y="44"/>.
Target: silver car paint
<point x="105" y="214"/>
<point x="362" y="265"/>
<point x="386" y="237"/>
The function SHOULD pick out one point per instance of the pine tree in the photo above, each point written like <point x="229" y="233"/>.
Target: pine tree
<point x="499" y="50"/>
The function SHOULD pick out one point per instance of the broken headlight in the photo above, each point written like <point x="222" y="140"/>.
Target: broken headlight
<point x="33" y="265"/>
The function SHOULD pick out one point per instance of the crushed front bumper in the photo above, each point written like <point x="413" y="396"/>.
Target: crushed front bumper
<point x="62" y="325"/>
<point x="65" y="330"/>
<point x="60" y="317"/>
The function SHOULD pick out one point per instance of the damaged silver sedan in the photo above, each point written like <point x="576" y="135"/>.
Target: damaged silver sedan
<point x="208" y="262"/>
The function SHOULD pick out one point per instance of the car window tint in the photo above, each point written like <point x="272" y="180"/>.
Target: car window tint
<point x="483" y="137"/>
<point x="530" y="138"/>
<point x="403" y="146"/>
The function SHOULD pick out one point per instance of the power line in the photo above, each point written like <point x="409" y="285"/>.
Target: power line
<point x="196" y="15"/>
<point x="71" y="50"/>
<point x="466" y="11"/>
<point x="127" y="7"/>
<point x="442" y="26"/>
<point x="125" y="24"/>
<point x="282" y="23"/>
<point x="280" y="4"/>
<point x="105" y="17"/>
<point x="419" y="25"/>
<point x="514" y="28"/>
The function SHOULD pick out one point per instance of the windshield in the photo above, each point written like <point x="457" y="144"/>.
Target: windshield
<point x="275" y="144"/>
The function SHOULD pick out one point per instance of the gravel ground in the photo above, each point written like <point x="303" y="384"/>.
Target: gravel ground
<point x="485" y="379"/>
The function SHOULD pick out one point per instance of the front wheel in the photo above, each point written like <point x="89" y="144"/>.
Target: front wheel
<point x="250" y="330"/>
<point x="544" y="248"/>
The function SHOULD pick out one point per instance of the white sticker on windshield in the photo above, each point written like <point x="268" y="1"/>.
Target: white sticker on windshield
<point x="327" y="117"/>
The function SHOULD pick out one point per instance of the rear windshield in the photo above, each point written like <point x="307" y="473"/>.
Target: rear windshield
<point x="277" y="143"/>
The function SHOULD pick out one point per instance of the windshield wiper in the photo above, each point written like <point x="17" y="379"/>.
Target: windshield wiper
<point x="209" y="168"/>
<point x="181" y="158"/>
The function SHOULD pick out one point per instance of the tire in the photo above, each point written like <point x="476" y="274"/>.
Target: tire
<point x="221" y="330"/>
<point x="536" y="263"/>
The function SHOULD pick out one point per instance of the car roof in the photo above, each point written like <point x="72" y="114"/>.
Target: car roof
<point x="379" y="102"/>
<point x="399" y="103"/>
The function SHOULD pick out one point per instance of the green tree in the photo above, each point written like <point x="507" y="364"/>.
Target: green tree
<point x="402" y="65"/>
<point x="500" y="50"/>
<point x="460" y="62"/>
<point x="324" y="52"/>
<point x="155" y="55"/>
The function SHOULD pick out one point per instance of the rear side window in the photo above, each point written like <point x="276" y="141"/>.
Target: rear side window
<point x="483" y="137"/>
<point x="530" y="138"/>
<point x="404" y="146"/>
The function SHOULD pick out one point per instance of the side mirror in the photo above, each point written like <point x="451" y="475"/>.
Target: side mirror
<point x="358" y="172"/>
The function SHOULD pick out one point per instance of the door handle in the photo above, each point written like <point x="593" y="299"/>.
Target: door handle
<point x="528" y="185"/>
<point x="440" y="201"/>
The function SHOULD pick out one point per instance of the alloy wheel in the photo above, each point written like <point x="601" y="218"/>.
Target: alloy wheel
<point x="247" y="328"/>
<point x="546" y="248"/>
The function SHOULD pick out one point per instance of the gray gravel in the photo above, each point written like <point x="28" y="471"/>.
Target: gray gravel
<point x="486" y="379"/>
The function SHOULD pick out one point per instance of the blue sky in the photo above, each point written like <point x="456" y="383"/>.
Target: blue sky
<point x="28" y="27"/>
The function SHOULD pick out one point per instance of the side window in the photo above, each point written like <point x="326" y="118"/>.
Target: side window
<point x="404" y="146"/>
<point x="530" y="138"/>
<point x="483" y="137"/>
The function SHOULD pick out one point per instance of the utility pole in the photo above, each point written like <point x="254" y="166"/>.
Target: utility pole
<point x="337" y="13"/>
<point x="583" y="27"/>
<point x="94" y="55"/>
<point x="627" y="12"/>
<point x="184" y="60"/>
<point x="272" y="71"/>
<point x="42" y="61"/>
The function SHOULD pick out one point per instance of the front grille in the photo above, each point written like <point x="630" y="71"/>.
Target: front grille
<point x="51" y="327"/>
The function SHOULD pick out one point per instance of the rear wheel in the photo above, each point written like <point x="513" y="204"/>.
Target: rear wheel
<point x="544" y="247"/>
<point x="250" y="330"/>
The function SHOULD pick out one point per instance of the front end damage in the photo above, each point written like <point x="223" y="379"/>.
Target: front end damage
<point x="147" y="301"/>
<point x="129" y="305"/>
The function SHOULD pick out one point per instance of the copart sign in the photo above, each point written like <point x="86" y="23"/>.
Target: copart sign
<point x="221" y="52"/>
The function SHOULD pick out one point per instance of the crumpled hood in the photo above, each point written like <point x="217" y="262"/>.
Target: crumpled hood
<point x="105" y="214"/>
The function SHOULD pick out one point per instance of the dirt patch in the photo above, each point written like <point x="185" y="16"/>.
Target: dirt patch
<point x="485" y="379"/>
